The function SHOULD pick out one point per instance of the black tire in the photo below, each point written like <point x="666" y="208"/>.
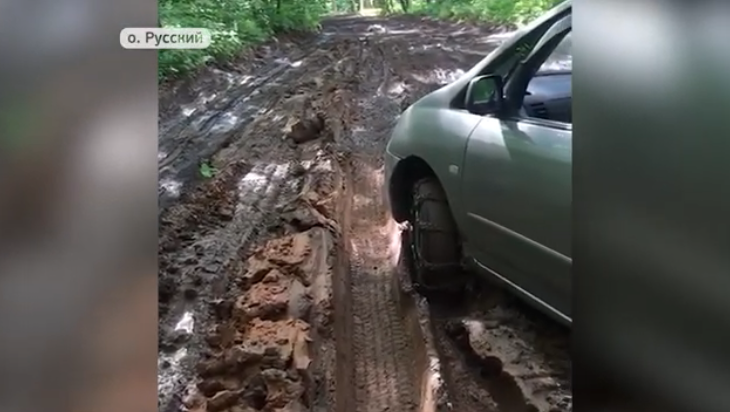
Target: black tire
<point x="434" y="240"/>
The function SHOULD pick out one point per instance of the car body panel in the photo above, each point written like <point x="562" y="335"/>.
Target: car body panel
<point x="517" y="195"/>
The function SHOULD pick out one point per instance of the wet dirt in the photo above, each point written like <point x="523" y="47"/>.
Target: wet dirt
<point x="500" y="353"/>
<point x="281" y="283"/>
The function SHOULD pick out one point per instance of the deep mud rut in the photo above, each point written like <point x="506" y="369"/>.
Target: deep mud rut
<point x="282" y="286"/>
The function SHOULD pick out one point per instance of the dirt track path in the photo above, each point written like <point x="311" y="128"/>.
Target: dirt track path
<point x="279" y="277"/>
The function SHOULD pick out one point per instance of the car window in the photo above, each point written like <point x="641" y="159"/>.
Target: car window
<point x="561" y="58"/>
<point x="549" y="91"/>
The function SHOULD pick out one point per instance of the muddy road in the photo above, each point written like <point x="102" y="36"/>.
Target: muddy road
<point x="282" y="283"/>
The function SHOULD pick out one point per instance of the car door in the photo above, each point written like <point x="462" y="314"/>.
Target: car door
<point x="517" y="192"/>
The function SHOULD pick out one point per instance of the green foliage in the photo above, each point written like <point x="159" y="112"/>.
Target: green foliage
<point x="493" y="11"/>
<point x="234" y="24"/>
<point x="206" y="170"/>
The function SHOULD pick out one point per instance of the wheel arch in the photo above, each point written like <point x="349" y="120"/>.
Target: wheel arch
<point x="406" y="174"/>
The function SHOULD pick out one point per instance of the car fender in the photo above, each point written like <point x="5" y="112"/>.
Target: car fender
<point x="438" y="137"/>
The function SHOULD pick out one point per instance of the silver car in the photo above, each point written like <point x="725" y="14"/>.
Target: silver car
<point x="481" y="169"/>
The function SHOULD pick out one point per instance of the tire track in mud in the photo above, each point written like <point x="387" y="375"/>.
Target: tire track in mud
<point x="383" y="351"/>
<point x="382" y="344"/>
<point x="188" y="140"/>
<point x="392" y="370"/>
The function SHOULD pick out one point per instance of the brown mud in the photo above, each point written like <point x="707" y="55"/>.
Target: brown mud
<point x="282" y="285"/>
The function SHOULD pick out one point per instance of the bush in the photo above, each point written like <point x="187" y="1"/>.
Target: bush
<point x="234" y="25"/>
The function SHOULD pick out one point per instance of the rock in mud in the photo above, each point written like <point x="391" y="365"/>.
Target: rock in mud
<point x="306" y="130"/>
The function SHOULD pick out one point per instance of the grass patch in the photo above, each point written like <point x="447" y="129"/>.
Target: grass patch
<point x="234" y="24"/>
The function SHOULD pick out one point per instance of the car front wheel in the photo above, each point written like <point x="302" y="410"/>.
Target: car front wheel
<point x="433" y="239"/>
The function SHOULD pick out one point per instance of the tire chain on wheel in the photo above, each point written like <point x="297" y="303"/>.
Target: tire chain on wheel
<point x="420" y="264"/>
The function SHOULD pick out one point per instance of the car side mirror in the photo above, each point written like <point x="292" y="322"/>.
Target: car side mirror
<point x="485" y="94"/>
